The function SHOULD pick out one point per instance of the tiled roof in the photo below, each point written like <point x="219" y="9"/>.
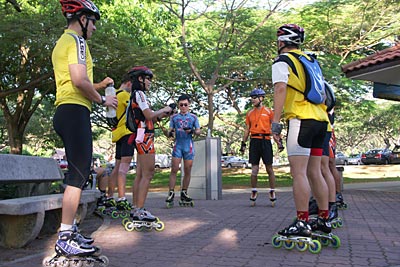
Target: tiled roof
<point x="386" y="55"/>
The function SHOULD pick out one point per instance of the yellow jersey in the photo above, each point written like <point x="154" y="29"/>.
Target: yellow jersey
<point x="70" y="49"/>
<point x="296" y="106"/>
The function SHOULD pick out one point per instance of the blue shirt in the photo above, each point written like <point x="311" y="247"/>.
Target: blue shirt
<point x="180" y="121"/>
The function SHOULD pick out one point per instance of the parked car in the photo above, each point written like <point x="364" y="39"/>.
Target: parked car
<point x="376" y="156"/>
<point x="232" y="161"/>
<point x="394" y="157"/>
<point x="162" y="161"/>
<point x="63" y="164"/>
<point x="132" y="165"/>
<point x="354" y="159"/>
<point x="341" y="159"/>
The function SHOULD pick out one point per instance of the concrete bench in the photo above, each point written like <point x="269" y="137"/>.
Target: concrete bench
<point x="22" y="219"/>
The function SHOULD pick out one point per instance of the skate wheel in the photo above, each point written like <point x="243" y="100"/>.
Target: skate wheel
<point x="89" y="263"/>
<point x="125" y="221"/>
<point x="301" y="246"/>
<point x="288" y="244"/>
<point x="62" y="262"/>
<point x="114" y="214"/>
<point x="160" y="226"/>
<point x="314" y="247"/>
<point x="140" y="228"/>
<point x="340" y="223"/>
<point x="75" y="263"/>
<point x="48" y="262"/>
<point x="276" y="243"/>
<point x="192" y="204"/>
<point x="335" y="241"/>
<point x="129" y="226"/>
<point x="334" y="225"/>
<point x="104" y="261"/>
<point x="324" y="241"/>
<point x="124" y="215"/>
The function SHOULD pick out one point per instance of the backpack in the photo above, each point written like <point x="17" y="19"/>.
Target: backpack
<point x="315" y="85"/>
<point x="133" y="114"/>
<point x="113" y="122"/>
<point x="330" y="101"/>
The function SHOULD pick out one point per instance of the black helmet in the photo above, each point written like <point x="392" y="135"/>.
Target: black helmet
<point x="291" y="34"/>
<point x="257" y="92"/>
<point x="140" y="71"/>
<point x="71" y="8"/>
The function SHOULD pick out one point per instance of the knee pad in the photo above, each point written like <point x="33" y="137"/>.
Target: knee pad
<point x="123" y="168"/>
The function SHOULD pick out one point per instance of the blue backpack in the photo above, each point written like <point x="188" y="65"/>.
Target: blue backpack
<point x="315" y="85"/>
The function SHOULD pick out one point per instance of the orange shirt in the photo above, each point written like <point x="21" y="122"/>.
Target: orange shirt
<point x="259" y="121"/>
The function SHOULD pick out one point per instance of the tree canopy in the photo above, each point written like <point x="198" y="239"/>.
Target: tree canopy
<point x="217" y="51"/>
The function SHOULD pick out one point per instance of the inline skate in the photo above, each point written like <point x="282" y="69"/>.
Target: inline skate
<point x="185" y="200"/>
<point x="70" y="251"/>
<point x="253" y="197"/>
<point x="298" y="235"/>
<point x="340" y="202"/>
<point x="322" y="231"/>
<point x="272" y="197"/>
<point x="140" y="220"/>
<point x="122" y="209"/>
<point x="170" y="199"/>
<point x="334" y="218"/>
<point x="107" y="207"/>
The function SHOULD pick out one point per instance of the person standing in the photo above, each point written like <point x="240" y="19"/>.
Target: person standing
<point x="73" y="70"/>
<point x="307" y="125"/>
<point x="141" y="78"/>
<point x="258" y="128"/>
<point x="183" y="125"/>
<point x="124" y="150"/>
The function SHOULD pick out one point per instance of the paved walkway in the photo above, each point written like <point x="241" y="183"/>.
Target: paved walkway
<point x="229" y="232"/>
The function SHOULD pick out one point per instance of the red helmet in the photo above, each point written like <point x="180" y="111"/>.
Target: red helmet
<point x="71" y="8"/>
<point x="291" y="34"/>
<point x="139" y="71"/>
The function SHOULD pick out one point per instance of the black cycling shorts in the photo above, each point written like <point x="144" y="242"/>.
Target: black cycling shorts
<point x="123" y="148"/>
<point x="260" y="148"/>
<point x="72" y="123"/>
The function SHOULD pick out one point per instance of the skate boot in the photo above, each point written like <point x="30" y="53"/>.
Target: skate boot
<point x="312" y="206"/>
<point x="80" y="237"/>
<point x="142" y="219"/>
<point x="70" y="251"/>
<point x="253" y="197"/>
<point x="101" y="201"/>
<point x="170" y="199"/>
<point x="321" y="230"/>
<point x="185" y="199"/>
<point x="109" y="206"/>
<point x="272" y="197"/>
<point x="298" y="235"/>
<point x="334" y="218"/>
<point x="340" y="202"/>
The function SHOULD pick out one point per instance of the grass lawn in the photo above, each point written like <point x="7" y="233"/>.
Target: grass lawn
<point x="240" y="178"/>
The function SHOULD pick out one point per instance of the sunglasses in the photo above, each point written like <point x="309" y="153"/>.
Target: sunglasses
<point x="183" y="105"/>
<point x="92" y="19"/>
<point x="254" y="97"/>
<point x="148" y="78"/>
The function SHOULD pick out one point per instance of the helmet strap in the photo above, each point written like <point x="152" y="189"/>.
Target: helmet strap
<point x="84" y="29"/>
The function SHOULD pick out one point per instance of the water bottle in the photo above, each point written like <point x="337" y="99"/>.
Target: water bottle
<point x="110" y="112"/>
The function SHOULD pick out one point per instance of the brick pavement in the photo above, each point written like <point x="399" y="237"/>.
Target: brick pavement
<point x="229" y="232"/>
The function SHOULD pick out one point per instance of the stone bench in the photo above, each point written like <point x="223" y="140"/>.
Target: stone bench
<point x="34" y="211"/>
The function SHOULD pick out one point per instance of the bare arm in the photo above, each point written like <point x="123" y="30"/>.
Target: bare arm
<point x="279" y="101"/>
<point x="80" y="80"/>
